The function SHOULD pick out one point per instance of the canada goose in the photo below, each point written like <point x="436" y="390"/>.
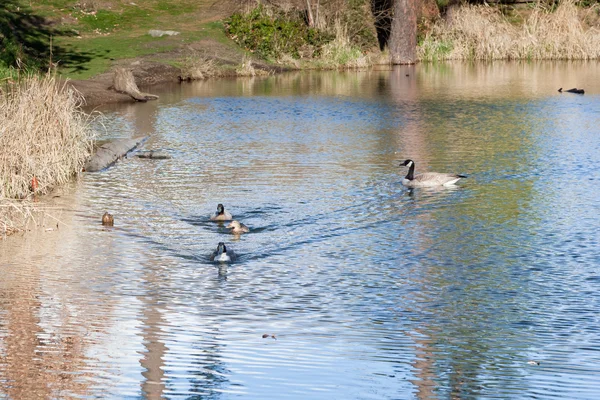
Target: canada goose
<point x="221" y="214"/>
<point x="222" y="254"/>
<point x="238" y="227"/>
<point x="427" y="179"/>
<point x="108" y="219"/>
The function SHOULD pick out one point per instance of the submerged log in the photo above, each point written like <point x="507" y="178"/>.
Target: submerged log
<point x="124" y="82"/>
<point x="154" y="155"/>
<point x="109" y="153"/>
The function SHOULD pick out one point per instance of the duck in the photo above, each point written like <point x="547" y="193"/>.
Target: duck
<point x="238" y="227"/>
<point x="221" y="214"/>
<point x="108" y="219"/>
<point x="427" y="179"/>
<point x="222" y="254"/>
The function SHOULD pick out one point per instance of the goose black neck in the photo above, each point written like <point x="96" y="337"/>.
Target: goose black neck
<point x="411" y="172"/>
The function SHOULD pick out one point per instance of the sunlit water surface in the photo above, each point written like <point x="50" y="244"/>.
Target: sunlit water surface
<point x="371" y="290"/>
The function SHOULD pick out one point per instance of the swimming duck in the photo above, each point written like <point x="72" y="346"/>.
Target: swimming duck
<point x="108" y="219"/>
<point x="222" y="254"/>
<point x="238" y="227"/>
<point x="221" y="214"/>
<point x="427" y="179"/>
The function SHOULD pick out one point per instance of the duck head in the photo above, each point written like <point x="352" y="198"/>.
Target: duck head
<point x="234" y="224"/>
<point x="221" y="248"/>
<point x="220" y="209"/>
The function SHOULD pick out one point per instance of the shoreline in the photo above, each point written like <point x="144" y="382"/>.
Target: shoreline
<point x="99" y="90"/>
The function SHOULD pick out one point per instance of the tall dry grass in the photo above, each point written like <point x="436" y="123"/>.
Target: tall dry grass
<point x="199" y="67"/>
<point x="480" y="32"/>
<point x="14" y="215"/>
<point x="247" y="69"/>
<point x="44" y="141"/>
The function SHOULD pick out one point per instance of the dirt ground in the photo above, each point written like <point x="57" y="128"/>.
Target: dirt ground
<point x="157" y="68"/>
<point x="151" y="70"/>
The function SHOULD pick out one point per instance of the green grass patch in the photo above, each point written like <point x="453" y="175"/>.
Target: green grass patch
<point x="102" y="50"/>
<point x="89" y="35"/>
<point x="104" y="21"/>
<point x="59" y="4"/>
<point x="432" y="50"/>
<point x="8" y="74"/>
<point x="105" y="49"/>
<point x="175" y="8"/>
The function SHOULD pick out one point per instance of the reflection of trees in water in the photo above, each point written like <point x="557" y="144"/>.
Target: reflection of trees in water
<point x="465" y="254"/>
<point x="206" y="372"/>
<point x="153" y="361"/>
<point x="39" y="358"/>
<point x="51" y="312"/>
<point x="211" y="373"/>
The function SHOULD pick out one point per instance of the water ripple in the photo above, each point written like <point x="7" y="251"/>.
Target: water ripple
<point x="348" y="285"/>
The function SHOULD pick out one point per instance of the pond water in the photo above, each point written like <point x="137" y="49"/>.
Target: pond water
<point x="490" y="289"/>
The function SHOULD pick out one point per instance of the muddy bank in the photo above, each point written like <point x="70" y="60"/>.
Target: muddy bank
<point x="100" y="89"/>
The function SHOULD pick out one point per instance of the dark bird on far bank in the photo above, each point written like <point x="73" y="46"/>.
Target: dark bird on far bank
<point x="574" y="90"/>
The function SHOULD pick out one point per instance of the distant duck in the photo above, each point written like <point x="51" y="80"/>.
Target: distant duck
<point x="222" y="254"/>
<point x="238" y="227"/>
<point x="221" y="214"/>
<point x="108" y="219"/>
<point x="427" y="179"/>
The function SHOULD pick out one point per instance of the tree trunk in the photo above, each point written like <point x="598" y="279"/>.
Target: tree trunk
<point x="311" y="20"/>
<point x="403" y="37"/>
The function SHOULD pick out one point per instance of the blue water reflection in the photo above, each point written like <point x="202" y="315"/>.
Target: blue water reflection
<point x="370" y="290"/>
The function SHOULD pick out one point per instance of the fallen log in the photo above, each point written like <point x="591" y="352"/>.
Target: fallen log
<point x="154" y="155"/>
<point x="109" y="153"/>
<point x="124" y="82"/>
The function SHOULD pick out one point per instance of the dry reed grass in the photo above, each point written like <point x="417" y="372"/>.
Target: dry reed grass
<point x="14" y="215"/>
<point x="199" y="67"/>
<point x="45" y="140"/>
<point x="480" y="32"/>
<point x="247" y="69"/>
<point x="288" y="60"/>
